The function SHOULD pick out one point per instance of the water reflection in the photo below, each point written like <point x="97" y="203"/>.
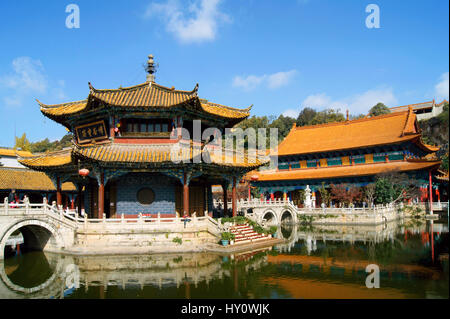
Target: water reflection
<point x="315" y="262"/>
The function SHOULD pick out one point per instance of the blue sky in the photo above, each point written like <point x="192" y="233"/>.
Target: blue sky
<point x="277" y="55"/>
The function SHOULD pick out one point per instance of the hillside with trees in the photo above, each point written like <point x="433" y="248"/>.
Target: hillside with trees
<point x="435" y="132"/>
<point x="44" y="145"/>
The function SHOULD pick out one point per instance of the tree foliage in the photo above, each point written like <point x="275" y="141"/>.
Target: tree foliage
<point x="22" y="143"/>
<point x="393" y="187"/>
<point x="345" y="193"/>
<point x="379" y="109"/>
<point x="44" y="145"/>
<point x="306" y="116"/>
<point x="325" y="194"/>
<point x="328" y="116"/>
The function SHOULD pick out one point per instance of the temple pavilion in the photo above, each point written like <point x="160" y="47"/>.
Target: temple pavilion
<point x="122" y="160"/>
<point x="351" y="152"/>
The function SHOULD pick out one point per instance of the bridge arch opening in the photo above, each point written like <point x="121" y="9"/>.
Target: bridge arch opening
<point x="286" y="218"/>
<point x="36" y="236"/>
<point x="269" y="217"/>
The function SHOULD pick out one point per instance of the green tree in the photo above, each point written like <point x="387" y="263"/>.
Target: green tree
<point x="22" y="143"/>
<point x="393" y="187"/>
<point x="325" y="195"/>
<point x="306" y="116"/>
<point x="284" y="125"/>
<point x="328" y="116"/>
<point x="379" y="109"/>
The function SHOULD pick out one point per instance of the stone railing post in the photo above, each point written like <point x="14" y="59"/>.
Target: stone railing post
<point x="158" y="220"/>
<point x="122" y="218"/>
<point x="140" y="220"/>
<point x="5" y="205"/>
<point x="104" y="218"/>
<point x="85" y="220"/>
<point x="44" y="205"/>
<point x="27" y="205"/>
<point x="194" y="218"/>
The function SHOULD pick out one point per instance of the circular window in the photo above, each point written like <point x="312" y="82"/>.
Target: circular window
<point x="145" y="196"/>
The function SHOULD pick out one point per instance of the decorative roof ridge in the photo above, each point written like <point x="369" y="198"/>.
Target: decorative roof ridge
<point x="172" y="89"/>
<point x="138" y="86"/>
<point x="51" y="106"/>
<point x="411" y="116"/>
<point x="92" y="89"/>
<point x="364" y="119"/>
<point x="408" y="105"/>
<point x="102" y="143"/>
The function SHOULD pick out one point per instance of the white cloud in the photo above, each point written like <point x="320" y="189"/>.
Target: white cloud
<point x="441" y="89"/>
<point x="356" y="104"/>
<point x="272" y="81"/>
<point x="291" y="113"/>
<point x="196" y="23"/>
<point x="27" y="79"/>
<point x="279" y="79"/>
<point x="361" y="103"/>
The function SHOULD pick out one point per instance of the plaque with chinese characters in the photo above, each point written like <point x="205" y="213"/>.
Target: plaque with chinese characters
<point x="91" y="131"/>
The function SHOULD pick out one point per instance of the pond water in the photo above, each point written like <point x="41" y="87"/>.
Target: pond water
<point x="316" y="262"/>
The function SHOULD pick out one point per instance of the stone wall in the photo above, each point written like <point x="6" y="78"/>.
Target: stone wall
<point x="162" y="186"/>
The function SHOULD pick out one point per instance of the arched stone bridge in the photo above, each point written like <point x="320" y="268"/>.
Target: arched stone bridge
<point x="42" y="226"/>
<point x="283" y="211"/>
<point x="270" y="213"/>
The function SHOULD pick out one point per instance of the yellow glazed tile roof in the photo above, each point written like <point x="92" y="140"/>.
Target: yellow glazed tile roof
<point x="225" y="111"/>
<point x="48" y="160"/>
<point x="154" y="154"/>
<point x="64" y="108"/>
<point x="131" y="153"/>
<point x="24" y="179"/>
<point x="384" y="129"/>
<point x="145" y="95"/>
<point x="13" y="153"/>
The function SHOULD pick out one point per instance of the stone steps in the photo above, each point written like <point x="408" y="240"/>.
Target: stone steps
<point x="244" y="233"/>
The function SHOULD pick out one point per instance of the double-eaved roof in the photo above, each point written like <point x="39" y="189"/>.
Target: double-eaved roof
<point x="145" y="96"/>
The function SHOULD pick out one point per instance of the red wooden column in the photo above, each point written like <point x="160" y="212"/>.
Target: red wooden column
<point x="101" y="196"/>
<point x="58" y="192"/>
<point x="431" y="193"/>
<point x="112" y="127"/>
<point x="225" y="199"/>
<point x="249" y="191"/>
<point x="185" y="195"/>
<point x="234" y="198"/>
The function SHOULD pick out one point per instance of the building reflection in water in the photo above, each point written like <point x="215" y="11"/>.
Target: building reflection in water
<point x="315" y="262"/>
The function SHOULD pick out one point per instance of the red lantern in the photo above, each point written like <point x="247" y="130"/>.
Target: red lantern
<point x="255" y="177"/>
<point x="83" y="172"/>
